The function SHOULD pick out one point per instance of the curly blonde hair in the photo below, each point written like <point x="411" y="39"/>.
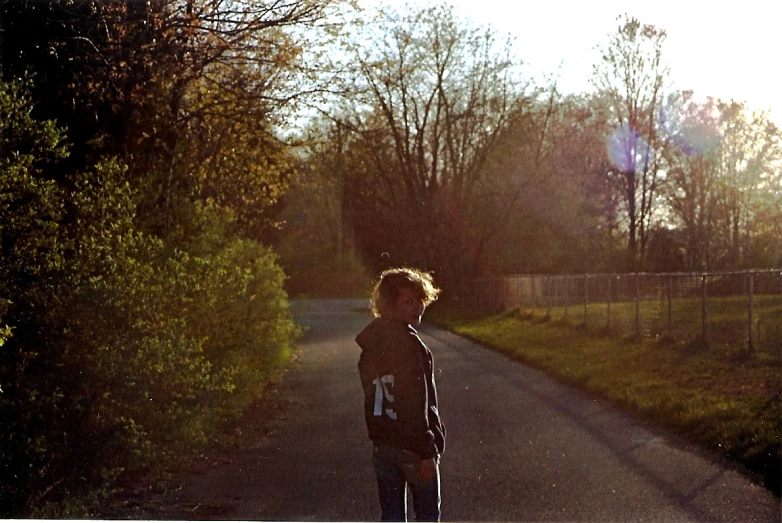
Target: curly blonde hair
<point x="386" y="290"/>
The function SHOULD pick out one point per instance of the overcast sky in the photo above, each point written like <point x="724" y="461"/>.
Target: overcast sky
<point x="723" y="49"/>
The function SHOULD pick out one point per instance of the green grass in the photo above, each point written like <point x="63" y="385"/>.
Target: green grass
<point x="726" y="401"/>
<point x="726" y="320"/>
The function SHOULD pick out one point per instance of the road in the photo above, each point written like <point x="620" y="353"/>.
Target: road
<point x="521" y="447"/>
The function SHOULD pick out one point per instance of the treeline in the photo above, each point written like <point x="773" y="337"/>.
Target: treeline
<point x="141" y="307"/>
<point x="442" y="154"/>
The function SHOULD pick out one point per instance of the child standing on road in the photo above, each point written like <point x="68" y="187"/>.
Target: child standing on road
<point x="400" y="397"/>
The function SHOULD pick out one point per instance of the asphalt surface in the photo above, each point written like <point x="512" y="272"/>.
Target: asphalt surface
<point x="520" y="447"/>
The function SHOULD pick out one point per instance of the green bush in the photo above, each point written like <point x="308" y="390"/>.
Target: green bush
<point x="117" y="353"/>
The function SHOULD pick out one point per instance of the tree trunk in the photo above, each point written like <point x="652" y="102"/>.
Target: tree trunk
<point x="632" y="242"/>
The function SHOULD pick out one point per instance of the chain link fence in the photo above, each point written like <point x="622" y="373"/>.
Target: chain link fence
<point x="735" y="309"/>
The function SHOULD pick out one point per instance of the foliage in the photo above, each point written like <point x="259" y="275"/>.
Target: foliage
<point x="119" y="353"/>
<point x="316" y="248"/>
<point x="749" y="169"/>
<point x="630" y="79"/>
<point x="724" y="183"/>
<point x="428" y="97"/>
<point x="551" y="164"/>
<point x="138" y="310"/>
<point x="188" y="94"/>
<point x="692" y="128"/>
<point x="436" y="153"/>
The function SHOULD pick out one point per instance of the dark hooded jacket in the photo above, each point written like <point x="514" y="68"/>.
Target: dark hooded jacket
<point x="400" y="397"/>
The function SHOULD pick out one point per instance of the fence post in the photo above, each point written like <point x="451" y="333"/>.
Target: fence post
<point x="608" y="303"/>
<point x="548" y="298"/>
<point x="703" y="310"/>
<point x="534" y="297"/>
<point x="670" y="306"/>
<point x="751" y="291"/>
<point x="637" y="305"/>
<point x="586" y="299"/>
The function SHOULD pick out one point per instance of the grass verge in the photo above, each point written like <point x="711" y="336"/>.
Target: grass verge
<point x="724" y="401"/>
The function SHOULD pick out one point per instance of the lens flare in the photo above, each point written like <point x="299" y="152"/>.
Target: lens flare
<point x="627" y="150"/>
<point x="694" y="132"/>
<point x="697" y="139"/>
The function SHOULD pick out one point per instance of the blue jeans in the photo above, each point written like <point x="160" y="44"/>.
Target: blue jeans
<point x="392" y="488"/>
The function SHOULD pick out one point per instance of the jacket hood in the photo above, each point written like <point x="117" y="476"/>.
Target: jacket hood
<point x="379" y="331"/>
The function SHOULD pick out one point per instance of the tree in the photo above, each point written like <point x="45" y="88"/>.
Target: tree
<point x="631" y="78"/>
<point x="691" y="167"/>
<point x="316" y="243"/>
<point x="135" y="316"/>
<point x="119" y="354"/>
<point x="430" y="99"/>
<point x="154" y="82"/>
<point x="581" y="169"/>
<point x="722" y="166"/>
<point x="748" y="171"/>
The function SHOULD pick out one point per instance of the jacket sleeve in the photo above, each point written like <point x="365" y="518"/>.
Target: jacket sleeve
<point x="411" y="400"/>
<point x="435" y="423"/>
<point x="366" y="373"/>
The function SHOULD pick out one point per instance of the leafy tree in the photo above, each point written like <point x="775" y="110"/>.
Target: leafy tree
<point x="166" y="84"/>
<point x="430" y="98"/>
<point x="581" y="170"/>
<point x="57" y="243"/>
<point x="316" y="243"/>
<point x="119" y="353"/>
<point x="722" y="191"/>
<point x="630" y="78"/>
<point x="135" y="315"/>
<point x="691" y="165"/>
<point x="748" y="170"/>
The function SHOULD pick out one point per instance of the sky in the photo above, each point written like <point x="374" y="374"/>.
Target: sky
<point x="729" y="50"/>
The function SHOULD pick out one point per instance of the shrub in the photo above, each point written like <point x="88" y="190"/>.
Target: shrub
<point x="119" y="354"/>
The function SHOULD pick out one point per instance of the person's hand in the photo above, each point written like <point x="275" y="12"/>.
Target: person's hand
<point x="428" y="470"/>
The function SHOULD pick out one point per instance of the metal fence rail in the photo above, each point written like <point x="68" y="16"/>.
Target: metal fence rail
<point x="737" y="309"/>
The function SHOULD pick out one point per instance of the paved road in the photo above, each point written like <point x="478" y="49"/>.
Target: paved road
<point x="520" y="447"/>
